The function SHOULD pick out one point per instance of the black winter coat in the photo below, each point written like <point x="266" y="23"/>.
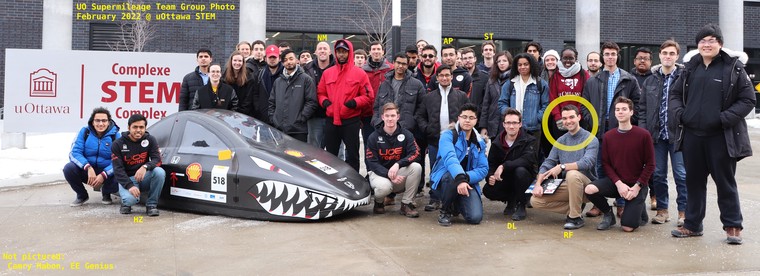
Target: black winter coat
<point x="738" y="101"/>
<point x="649" y="103"/>
<point x="292" y="102"/>
<point x="429" y="113"/>
<point x="409" y="99"/>
<point x="490" y="118"/>
<point x="224" y="98"/>
<point x="522" y="153"/>
<point x="190" y="83"/>
<point x="595" y="91"/>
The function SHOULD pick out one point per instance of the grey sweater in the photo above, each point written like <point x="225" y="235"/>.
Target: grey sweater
<point x="585" y="158"/>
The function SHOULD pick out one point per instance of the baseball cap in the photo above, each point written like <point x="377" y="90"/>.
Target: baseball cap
<point x="341" y="44"/>
<point x="273" y="51"/>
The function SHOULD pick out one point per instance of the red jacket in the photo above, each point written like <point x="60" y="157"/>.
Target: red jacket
<point x="342" y="83"/>
<point x="376" y="77"/>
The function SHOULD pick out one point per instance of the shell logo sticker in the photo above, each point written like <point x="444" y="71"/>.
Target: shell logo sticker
<point x="194" y="172"/>
<point x="294" y="153"/>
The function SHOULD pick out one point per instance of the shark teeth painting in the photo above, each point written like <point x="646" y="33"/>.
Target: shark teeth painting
<point x="284" y="199"/>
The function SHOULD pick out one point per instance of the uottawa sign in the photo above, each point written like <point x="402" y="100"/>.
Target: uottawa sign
<point x="55" y="91"/>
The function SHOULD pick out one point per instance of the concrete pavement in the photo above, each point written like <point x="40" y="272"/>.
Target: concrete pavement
<point x="37" y="221"/>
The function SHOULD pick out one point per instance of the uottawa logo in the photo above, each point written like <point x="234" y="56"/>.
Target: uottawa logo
<point x="43" y="83"/>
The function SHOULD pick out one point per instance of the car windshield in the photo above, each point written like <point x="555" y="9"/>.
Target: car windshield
<point x="249" y="127"/>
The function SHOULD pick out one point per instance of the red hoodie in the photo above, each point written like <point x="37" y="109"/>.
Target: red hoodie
<point x="342" y="83"/>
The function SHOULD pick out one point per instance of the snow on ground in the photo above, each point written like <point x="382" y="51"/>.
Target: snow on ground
<point x="47" y="154"/>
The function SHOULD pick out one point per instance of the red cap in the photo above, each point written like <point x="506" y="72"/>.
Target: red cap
<point x="273" y="51"/>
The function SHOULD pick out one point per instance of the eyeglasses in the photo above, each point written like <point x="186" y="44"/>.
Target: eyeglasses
<point x="427" y="56"/>
<point x="511" y="123"/>
<point x="465" y="117"/>
<point x="100" y="120"/>
<point x="444" y="75"/>
<point x="642" y="59"/>
<point x="613" y="54"/>
<point x="711" y="41"/>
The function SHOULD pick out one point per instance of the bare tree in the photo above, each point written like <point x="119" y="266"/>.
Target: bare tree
<point x="134" y="34"/>
<point x="377" y="22"/>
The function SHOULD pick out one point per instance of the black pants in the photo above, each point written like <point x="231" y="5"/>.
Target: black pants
<point x="703" y="156"/>
<point x="421" y="139"/>
<point x="299" y="136"/>
<point x="512" y="188"/>
<point x="348" y="133"/>
<point x="633" y="208"/>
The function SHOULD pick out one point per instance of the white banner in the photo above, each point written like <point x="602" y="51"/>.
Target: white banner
<point x="55" y="91"/>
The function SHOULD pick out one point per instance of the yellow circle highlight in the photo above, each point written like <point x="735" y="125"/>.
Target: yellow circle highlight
<point x="548" y="111"/>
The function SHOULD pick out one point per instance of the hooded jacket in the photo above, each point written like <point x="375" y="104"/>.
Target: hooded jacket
<point x="254" y="66"/>
<point x="595" y="91"/>
<point x="341" y="84"/>
<point x="409" y="98"/>
<point x="429" y="112"/>
<point x="738" y="101"/>
<point x="452" y="152"/>
<point x="384" y="150"/>
<point x="128" y="156"/>
<point x="190" y="84"/>
<point x="224" y="98"/>
<point x="89" y="150"/>
<point x="651" y="97"/>
<point x="292" y="102"/>
<point x="376" y="77"/>
<point x="522" y="153"/>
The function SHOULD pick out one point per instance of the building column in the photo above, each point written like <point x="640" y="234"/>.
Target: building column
<point x="731" y="21"/>
<point x="253" y="20"/>
<point x="57" y="24"/>
<point x="587" y="28"/>
<point x="430" y="22"/>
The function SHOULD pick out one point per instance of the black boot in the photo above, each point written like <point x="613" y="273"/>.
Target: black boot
<point x="520" y="212"/>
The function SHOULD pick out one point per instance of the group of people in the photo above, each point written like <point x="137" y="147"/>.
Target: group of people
<point x="484" y="122"/>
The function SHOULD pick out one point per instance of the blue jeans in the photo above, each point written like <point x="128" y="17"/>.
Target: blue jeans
<point x="76" y="177"/>
<point x="470" y="206"/>
<point x="153" y="182"/>
<point x="660" y="179"/>
<point x="432" y="153"/>
<point x="316" y="128"/>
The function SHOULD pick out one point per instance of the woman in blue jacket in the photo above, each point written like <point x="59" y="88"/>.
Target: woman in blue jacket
<point x="526" y="92"/>
<point x="91" y="158"/>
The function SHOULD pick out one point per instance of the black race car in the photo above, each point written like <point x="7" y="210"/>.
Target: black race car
<point x="226" y="163"/>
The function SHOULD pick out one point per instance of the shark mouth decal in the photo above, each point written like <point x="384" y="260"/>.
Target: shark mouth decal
<point x="283" y="199"/>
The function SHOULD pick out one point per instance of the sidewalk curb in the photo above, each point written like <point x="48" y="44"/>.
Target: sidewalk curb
<point x="34" y="181"/>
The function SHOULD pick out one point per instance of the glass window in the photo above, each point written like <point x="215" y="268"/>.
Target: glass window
<point x="250" y="128"/>
<point x="300" y="41"/>
<point x="513" y="46"/>
<point x="196" y="139"/>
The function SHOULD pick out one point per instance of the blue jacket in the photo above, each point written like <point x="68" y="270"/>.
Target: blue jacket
<point x="535" y="102"/>
<point x="451" y="154"/>
<point x="94" y="151"/>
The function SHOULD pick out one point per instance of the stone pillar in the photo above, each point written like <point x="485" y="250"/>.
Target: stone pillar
<point x="57" y="25"/>
<point x="731" y="21"/>
<point x="587" y="28"/>
<point x="253" y="20"/>
<point x="430" y="22"/>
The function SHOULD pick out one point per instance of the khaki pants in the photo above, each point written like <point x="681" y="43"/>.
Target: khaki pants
<point x="383" y="186"/>
<point x="568" y="198"/>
